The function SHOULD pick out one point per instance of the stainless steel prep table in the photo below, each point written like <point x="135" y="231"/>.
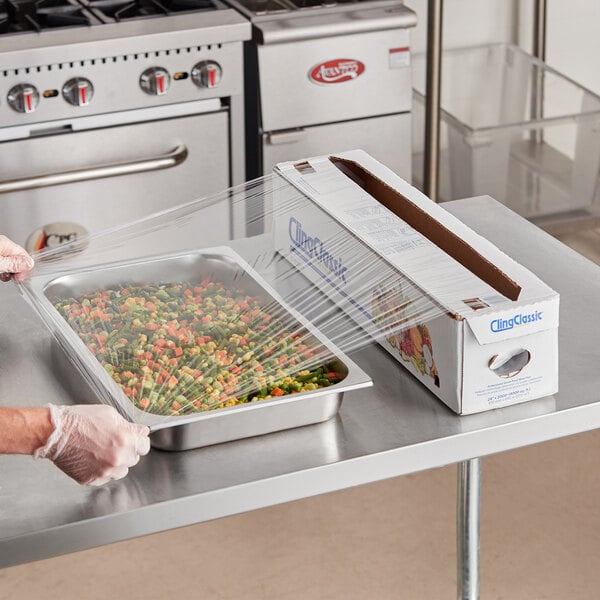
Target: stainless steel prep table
<point x="394" y="428"/>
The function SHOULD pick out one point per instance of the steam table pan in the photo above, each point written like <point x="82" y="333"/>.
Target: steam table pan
<point x="198" y="429"/>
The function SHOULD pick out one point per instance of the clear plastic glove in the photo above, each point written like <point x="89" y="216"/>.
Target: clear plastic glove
<point x="94" y="444"/>
<point x="14" y="260"/>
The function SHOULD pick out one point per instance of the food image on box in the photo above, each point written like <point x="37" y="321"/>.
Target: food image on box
<point x="413" y="342"/>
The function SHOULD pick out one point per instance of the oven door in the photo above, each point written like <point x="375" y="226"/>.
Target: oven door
<point x="56" y="187"/>
<point x="386" y="139"/>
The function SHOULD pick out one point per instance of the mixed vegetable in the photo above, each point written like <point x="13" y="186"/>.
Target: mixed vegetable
<point x="182" y="348"/>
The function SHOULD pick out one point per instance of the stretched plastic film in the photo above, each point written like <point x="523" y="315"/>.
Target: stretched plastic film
<point x="211" y="305"/>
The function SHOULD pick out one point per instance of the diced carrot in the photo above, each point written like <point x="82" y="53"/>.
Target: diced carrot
<point x="178" y="351"/>
<point x="277" y="392"/>
<point x="173" y="362"/>
<point x="150" y="306"/>
<point x="144" y="403"/>
<point x="172" y="382"/>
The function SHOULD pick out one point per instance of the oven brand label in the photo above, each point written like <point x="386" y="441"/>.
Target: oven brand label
<point x="336" y="71"/>
<point x="53" y="235"/>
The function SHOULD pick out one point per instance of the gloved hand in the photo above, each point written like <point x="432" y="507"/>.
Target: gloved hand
<point x="93" y="444"/>
<point x="14" y="260"/>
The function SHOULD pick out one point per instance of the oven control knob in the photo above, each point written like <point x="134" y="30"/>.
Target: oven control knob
<point x="207" y="74"/>
<point x="78" y="91"/>
<point x="155" y="81"/>
<point x="23" y="98"/>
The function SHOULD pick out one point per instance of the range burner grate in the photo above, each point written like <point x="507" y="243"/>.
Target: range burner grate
<point x="121" y="10"/>
<point x="36" y="15"/>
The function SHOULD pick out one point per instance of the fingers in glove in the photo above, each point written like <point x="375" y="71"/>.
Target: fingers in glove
<point x="98" y="482"/>
<point x="15" y="267"/>
<point x="142" y="440"/>
<point x="112" y="475"/>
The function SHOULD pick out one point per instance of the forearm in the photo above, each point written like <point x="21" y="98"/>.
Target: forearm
<point x="24" y="430"/>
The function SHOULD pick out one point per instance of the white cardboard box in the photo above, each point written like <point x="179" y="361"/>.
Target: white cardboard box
<point x="365" y="237"/>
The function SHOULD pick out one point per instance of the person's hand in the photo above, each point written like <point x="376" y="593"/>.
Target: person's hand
<point x="94" y="444"/>
<point x="14" y="260"/>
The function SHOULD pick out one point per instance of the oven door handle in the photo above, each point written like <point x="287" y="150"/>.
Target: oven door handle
<point x="155" y="163"/>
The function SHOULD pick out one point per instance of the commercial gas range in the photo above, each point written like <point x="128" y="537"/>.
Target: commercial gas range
<point x="114" y="109"/>
<point x="327" y="75"/>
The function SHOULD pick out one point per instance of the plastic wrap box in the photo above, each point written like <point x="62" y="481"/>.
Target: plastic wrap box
<point x="493" y="339"/>
<point x="515" y="129"/>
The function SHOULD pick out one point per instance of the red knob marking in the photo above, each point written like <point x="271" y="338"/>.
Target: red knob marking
<point x="211" y="77"/>
<point x="27" y="97"/>
<point x="160" y="83"/>
<point x="82" y="95"/>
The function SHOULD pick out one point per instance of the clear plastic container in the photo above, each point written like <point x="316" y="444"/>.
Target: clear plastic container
<point x="515" y="129"/>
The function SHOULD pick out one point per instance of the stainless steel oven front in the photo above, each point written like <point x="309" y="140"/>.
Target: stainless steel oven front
<point x="326" y="76"/>
<point x="130" y="112"/>
<point x="56" y="187"/>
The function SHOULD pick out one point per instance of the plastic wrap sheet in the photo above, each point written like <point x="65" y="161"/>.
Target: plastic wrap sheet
<point x="196" y="309"/>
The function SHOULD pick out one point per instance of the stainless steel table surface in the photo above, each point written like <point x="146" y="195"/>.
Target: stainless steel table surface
<point x="395" y="427"/>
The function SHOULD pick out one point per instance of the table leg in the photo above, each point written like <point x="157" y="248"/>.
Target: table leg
<point x="467" y="528"/>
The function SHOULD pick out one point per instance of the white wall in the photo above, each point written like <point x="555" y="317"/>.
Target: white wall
<point x="467" y="22"/>
<point x="572" y="36"/>
<point x="573" y="40"/>
<point x="572" y="43"/>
